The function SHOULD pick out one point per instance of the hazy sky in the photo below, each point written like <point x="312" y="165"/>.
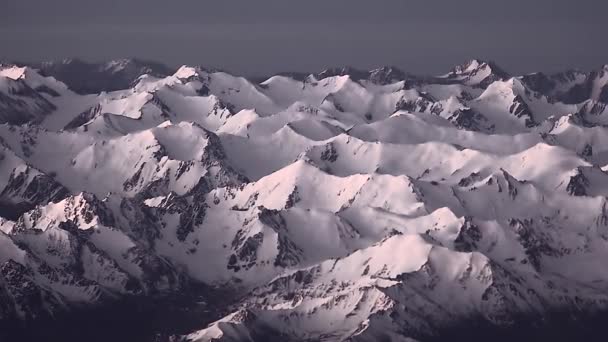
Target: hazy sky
<point x="259" y="37"/>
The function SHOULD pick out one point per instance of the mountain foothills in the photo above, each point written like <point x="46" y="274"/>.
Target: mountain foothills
<point x="138" y="203"/>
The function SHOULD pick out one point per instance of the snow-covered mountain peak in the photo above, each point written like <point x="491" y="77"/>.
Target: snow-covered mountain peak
<point x="477" y="73"/>
<point x="185" y="72"/>
<point x="387" y="75"/>
<point x="345" y="205"/>
<point x="13" y="72"/>
<point x="118" y="65"/>
<point x="469" y="66"/>
<point x="343" y="71"/>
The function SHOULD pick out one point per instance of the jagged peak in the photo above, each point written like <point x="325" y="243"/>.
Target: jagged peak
<point x="118" y="65"/>
<point x="388" y="69"/>
<point x="381" y="75"/>
<point x="468" y="66"/>
<point x="386" y="75"/>
<point x="474" y="66"/>
<point x="186" y="72"/>
<point x="15" y="72"/>
<point x="341" y="71"/>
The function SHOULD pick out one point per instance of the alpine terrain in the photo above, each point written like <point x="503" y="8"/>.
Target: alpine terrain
<point x="140" y="203"/>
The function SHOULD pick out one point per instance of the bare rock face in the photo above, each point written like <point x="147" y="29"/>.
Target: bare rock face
<point x="19" y="103"/>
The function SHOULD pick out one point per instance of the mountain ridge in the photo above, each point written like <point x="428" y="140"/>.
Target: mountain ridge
<point x="344" y="205"/>
<point x="165" y="70"/>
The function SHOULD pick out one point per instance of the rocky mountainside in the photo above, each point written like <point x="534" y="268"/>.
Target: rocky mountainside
<point x="85" y="78"/>
<point x="345" y="205"/>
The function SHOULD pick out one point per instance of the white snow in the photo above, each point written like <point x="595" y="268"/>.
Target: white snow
<point x="328" y="205"/>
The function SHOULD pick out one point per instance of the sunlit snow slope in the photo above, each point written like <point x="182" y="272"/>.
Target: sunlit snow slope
<point x="345" y="205"/>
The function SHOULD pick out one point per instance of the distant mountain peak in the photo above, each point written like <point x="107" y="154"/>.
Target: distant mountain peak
<point x="475" y="65"/>
<point x="121" y="64"/>
<point x="186" y="71"/>
<point x="468" y="66"/>
<point x="477" y="73"/>
<point x="341" y="71"/>
<point x="89" y="77"/>
<point x="387" y="74"/>
<point x="380" y="75"/>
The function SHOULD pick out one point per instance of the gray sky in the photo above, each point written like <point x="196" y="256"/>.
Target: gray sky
<point x="265" y="36"/>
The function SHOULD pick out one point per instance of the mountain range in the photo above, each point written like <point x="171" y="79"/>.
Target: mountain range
<point x="140" y="203"/>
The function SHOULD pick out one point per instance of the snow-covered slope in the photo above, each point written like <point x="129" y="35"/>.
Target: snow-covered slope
<point x="343" y="205"/>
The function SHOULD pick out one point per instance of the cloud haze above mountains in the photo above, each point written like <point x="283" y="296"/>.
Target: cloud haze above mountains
<point x="256" y="37"/>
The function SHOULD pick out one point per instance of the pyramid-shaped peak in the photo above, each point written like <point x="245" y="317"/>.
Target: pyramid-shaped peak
<point x="475" y="65"/>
